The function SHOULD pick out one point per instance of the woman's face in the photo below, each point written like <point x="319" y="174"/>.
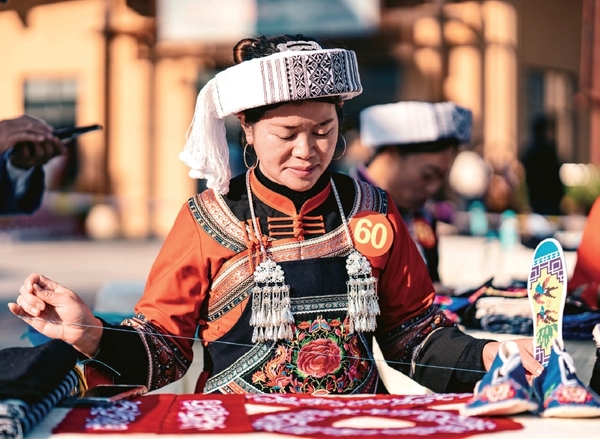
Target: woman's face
<point x="294" y="143"/>
<point x="415" y="178"/>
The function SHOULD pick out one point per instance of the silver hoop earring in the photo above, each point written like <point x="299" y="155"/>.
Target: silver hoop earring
<point x="344" y="151"/>
<point x="244" y="156"/>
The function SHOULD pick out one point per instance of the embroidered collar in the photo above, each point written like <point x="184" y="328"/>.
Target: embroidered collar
<point x="286" y="200"/>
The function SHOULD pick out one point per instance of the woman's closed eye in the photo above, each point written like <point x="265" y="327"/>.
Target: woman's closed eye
<point x="292" y="136"/>
<point x="322" y="134"/>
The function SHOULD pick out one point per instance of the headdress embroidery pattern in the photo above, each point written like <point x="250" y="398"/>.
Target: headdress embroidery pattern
<point x="453" y="121"/>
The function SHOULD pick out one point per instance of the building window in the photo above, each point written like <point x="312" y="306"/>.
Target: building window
<point x="54" y="100"/>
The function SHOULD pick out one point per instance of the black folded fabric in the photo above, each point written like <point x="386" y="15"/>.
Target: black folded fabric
<point x="595" y="380"/>
<point x="17" y="419"/>
<point x="29" y="374"/>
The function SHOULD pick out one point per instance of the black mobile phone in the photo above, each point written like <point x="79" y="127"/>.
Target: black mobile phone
<point x="72" y="132"/>
<point x="104" y="394"/>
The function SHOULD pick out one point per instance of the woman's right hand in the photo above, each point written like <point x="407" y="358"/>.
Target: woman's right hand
<point x="58" y="312"/>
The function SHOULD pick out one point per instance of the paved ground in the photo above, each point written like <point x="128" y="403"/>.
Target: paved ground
<point x="84" y="265"/>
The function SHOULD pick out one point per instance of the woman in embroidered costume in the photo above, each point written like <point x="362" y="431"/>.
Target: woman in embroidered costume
<point x="412" y="146"/>
<point x="287" y="272"/>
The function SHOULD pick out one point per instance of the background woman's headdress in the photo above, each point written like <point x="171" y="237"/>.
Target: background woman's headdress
<point x="301" y="70"/>
<point x="414" y="122"/>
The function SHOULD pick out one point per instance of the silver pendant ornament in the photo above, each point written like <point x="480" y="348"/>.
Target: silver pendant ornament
<point x="363" y="302"/>
<point x="272" y="317"/>
<point x="271" y="308"/>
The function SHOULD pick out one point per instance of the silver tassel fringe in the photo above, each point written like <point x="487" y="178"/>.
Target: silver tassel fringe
<point x="363" y="302"/>
<point x="271" y="307"/>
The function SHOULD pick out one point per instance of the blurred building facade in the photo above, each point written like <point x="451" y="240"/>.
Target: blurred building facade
<point x="135" y="66"/>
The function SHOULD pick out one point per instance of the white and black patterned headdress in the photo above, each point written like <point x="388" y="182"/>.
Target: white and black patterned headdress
<point x="300" y="70"/>
<point x="413" y="122"/>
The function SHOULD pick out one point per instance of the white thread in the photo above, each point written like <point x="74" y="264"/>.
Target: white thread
<point x="182" y="337"/>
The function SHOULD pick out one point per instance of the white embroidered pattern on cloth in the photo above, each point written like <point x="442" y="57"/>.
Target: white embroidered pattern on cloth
<point x="361" y="402"/>
<point x="115" y="417"/>
<point x="197" y="415"/>
<point x="320" y="422"/>
<point x="373" y="416"/>
<point x="203" y="415"/>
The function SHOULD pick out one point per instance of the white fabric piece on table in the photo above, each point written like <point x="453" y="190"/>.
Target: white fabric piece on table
<point x="503" y="306"/>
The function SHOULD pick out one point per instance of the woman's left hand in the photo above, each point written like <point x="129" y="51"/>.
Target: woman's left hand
<point x="531" y="365"/>
<point x="58" y="312"/>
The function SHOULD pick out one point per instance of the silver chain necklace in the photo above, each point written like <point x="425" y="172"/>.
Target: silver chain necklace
<point x="272" y="317"/>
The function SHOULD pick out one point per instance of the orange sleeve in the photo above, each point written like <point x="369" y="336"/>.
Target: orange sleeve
<point x="584" y="285"/>
<point x="405" y="288"/>
<point x="178" y="283"/>
<point x="587" y="267"/>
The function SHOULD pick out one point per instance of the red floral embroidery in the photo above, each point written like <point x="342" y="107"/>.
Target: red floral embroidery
<point x="319" y="358"/>
<point x="323" y="359"/>
<point x="499" y="392"/>
<point x="572" y="394"/>
<point x="303" y="325"/>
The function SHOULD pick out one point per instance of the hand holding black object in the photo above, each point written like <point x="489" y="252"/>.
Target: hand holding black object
<point x="30" y="141"/>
